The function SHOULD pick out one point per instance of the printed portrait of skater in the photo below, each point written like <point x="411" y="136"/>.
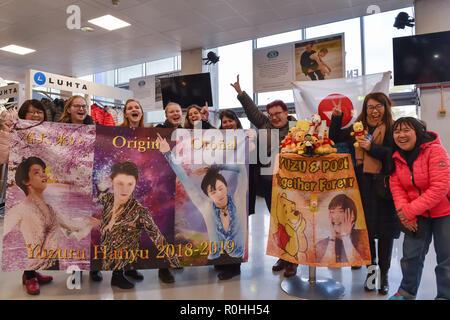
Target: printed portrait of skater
<point x="225" y="214"/>
<point x="40" y="224"/>
<point x="123" y="220"/>
<point x="346" y="244"/>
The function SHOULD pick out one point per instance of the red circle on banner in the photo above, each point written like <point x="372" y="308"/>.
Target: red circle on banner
<point x="328" y="103"/>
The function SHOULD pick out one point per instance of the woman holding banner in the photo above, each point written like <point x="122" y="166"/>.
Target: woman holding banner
<point x="420" y="187"/>
<point x="373" y="164"/>
<point x="173" y="116"/>
<point x="76" y="111"/>
<point x="133" y="114"/>
<point x="29" y="110"/>
<point x="40" y="224"/>
<point x="278" y="118"/>
<point x="197" y="118"/>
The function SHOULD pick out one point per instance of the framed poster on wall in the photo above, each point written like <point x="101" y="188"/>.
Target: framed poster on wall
<point x="275" y="67"/>
<point x="320" y="58"/>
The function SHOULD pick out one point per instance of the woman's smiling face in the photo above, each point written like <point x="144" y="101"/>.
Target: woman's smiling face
<point x="133" y="112"/>
<point x="194" y="115"/>
<point x="405" y="137"/>
<point x="173" y="114"/>
<point x="78" y="110"/>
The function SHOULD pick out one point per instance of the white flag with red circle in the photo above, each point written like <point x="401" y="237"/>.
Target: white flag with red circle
<point x="321" y="96"/>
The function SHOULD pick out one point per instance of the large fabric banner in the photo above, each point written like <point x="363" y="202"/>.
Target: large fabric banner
<point x="317" y="218"/>
<point x="112" y="198"/>
<point x="48" y="220"/>
<point x="320" y="97"/>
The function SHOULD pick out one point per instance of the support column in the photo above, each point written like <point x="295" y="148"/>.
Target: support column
<point x="432" y="16"/>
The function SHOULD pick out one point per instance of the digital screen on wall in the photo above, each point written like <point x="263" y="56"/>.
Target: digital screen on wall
<point x="422" y="58"/>
<point x="188" y="89"/>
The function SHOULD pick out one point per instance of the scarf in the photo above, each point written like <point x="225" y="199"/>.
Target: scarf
<point x="370" y="164"/>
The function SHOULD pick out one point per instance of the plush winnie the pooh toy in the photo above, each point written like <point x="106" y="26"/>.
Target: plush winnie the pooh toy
<point x="358" y="132"/>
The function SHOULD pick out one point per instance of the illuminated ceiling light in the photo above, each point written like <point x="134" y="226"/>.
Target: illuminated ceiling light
<point x="17" y="49"/>
<point x="109" y="22"/>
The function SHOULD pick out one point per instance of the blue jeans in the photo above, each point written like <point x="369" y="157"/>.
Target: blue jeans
<point x="415" y="249"/>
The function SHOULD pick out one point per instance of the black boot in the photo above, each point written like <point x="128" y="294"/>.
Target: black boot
<point x="384" y="284"/>
<point x="96" y="276"/>
<point x="165" y="275"/>
<point x="119" y="280"/>
<point x="229" y="271"/>
<point x="134" y="274"/>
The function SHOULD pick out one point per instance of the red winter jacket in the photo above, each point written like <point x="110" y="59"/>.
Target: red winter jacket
<point x="426" y="189"/>
<point x="102" y="117"/>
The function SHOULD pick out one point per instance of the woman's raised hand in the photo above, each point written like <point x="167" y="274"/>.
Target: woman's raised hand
<point x="337" y="110"/>
<point x="237" y="86"/>
<point x="163" y="144"/>
<point x="205" y="112"/>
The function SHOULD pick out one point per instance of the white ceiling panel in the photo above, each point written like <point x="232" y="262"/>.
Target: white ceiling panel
<point x="293" y="10"/>
<point x="232" y="23"/>
<point x="172" y="7"/>
<point x="261" y="17"/>
<point x="143" y="13"/>
<point x="327" y="5"/>
<point x="216" y="11"/>
<point x="201" y="3"/>
<point x="53" y="3"/>
<point x="124" y="4"/>
<point x="248" y="6"/>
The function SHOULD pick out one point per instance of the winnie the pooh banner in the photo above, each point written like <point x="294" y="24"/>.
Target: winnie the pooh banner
<point x="317" y="218"/>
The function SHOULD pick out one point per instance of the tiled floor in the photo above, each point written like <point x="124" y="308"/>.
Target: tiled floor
<point x="257" y="281"/>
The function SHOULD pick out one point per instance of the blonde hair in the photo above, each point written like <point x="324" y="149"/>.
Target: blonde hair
<point x="66" y="115"/>
<point x="125" y="122"/>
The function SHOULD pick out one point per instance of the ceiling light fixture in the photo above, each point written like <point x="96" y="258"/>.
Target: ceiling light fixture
<point x="109" y="22"/>
<point x="17" y="49"/>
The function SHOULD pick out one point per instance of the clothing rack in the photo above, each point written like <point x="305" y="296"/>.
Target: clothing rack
<point x="108" y="103"/>
<point x="49" y="94"/>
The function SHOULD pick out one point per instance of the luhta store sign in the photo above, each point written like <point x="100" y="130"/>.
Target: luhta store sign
<point x="59" y="82"/>
<point x="55" y="81"/>
<point x="10" y="91"/>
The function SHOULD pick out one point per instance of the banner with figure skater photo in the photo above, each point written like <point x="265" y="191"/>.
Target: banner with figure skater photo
<point x="317" y="218"/>
<point x="48" y="219"/>
<point x="119" y="198"/>
<point x="211" y="206"/>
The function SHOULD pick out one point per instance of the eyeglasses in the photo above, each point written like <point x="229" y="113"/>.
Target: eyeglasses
<point x="378" y="107"/>
<point x="276" y="114"/>
<point x="79" y="106"/>
<point x="39" y="112"/>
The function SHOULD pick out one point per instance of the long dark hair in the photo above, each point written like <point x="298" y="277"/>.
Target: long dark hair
<point x="387" y="117"/>
<point x="420" y="128"/>
<point x="231" y="115"/>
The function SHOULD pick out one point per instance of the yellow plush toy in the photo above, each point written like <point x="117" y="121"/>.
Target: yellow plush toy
<point x="326" y="144"/>
<point x="358" y="132"/>
<point x="294" y="138"/>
